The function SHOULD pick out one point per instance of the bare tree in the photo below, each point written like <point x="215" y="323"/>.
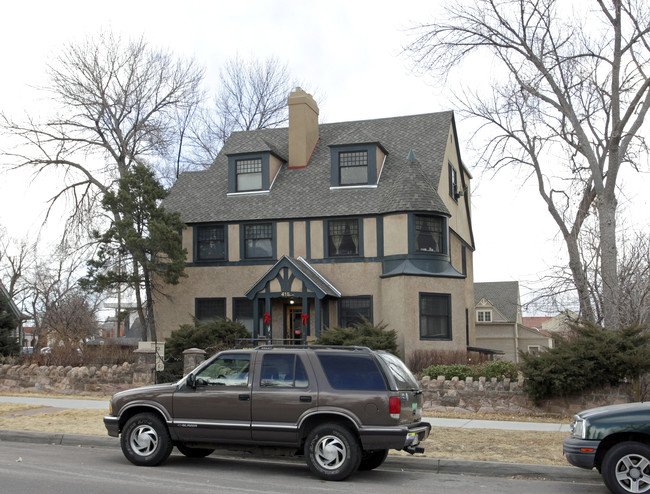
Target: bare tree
<point x="571" y="107"/>
<point x="252" y="95"/>
<point x="118" y="102"/>
<point x="119" y="105"/>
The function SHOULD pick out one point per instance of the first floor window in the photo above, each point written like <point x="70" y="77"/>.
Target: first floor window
<point x="428" y="234"/>
<point x="258" y="241"/>
<point x="355" y="310"/>
<point x="243" y="312"/>
<point x="210" y="309"/>
<point x="210" y="243"/>
<point x="343" y="237"/>
<point x="435" y="316"/>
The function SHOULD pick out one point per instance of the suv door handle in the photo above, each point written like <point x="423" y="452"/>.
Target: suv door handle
<point x="305" y="399"/>
<point x="245" y="397"/>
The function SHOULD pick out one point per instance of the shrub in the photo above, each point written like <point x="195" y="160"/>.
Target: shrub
<point x="595" y="356"/>
<point x="418" y="360"/>
<point x="361" y="334"/>
<point x="462" y="371"/>
<point x="501" y="369"/>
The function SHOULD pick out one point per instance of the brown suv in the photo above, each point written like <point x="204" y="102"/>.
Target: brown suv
<point x="342" y="407"/>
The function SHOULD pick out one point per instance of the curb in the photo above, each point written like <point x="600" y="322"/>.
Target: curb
<point x="393" y="462"/>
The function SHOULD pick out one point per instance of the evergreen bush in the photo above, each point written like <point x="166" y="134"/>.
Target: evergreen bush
<point x="361" y="334"/>
<point x="592" y="357"/>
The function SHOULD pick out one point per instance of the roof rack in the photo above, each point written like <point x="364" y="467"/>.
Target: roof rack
<point x="315" y="347"/>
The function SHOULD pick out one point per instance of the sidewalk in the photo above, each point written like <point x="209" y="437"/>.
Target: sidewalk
<point x="435" y="422"/>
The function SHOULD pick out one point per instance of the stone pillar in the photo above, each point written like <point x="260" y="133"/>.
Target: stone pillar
<point x="192" y="357"/>
<point x="144" y="371"/>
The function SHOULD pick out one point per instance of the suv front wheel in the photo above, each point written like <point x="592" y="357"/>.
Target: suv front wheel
<point x="145" y="440"/>
<point x="332" y="452"/>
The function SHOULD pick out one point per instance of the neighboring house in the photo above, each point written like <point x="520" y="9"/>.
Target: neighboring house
<point x="499" y="324"/>
<point x="20" y="317"/>
<point x="558" y="325"/>
<point x="124" y="324"/>
<point x="294" y="230"/>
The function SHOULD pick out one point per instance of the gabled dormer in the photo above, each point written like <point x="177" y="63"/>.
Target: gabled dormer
<point x="356" y="165"/>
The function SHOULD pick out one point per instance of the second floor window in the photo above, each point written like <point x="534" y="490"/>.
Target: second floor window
<point x="249" y="174"/>
<point x="428" y="234"/>
<point x="353" y="168"/>
<point x="210" y="243"/>
<point x="343" y="237"/>
<point x="258" y="241"/>
<point x="484" y="316"/>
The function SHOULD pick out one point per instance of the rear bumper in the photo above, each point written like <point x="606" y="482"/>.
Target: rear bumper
<point x="397" y="437"/>
<point x="580" y="452"/>
<point x="112" y="425"/>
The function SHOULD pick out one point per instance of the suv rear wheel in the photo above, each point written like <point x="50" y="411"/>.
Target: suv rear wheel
<point x="191" y="452"/>
<point x="372" y="459"/>
<point x="626" y="468"/>
<point x="332" y="452"/>
<point x="145" y="440"/>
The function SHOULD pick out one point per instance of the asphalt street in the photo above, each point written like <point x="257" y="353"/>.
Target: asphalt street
<point x="442" y="466"/>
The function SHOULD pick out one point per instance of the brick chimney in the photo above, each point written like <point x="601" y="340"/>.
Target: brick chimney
<point x="303" y="128"/>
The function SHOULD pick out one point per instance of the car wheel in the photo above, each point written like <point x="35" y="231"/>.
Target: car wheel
<point x="626" y="468"/>
<point x="194" y="452"/>
<point x="372" y="459"/>
<point x="332" y="452"/>
<point x="145" y="440"/>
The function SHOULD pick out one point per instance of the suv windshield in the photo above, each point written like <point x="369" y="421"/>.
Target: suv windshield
<point x="403" y="376"/>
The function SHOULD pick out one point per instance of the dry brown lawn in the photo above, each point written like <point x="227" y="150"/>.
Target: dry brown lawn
<point x="445" y="442"/>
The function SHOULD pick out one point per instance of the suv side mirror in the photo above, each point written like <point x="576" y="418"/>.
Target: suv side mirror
<point x="191" y="380"/>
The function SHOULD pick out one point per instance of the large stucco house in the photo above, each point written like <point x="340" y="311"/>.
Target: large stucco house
<point x="294" y="230"/>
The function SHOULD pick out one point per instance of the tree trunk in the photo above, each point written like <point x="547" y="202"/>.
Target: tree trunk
<point x="609" y="259"/>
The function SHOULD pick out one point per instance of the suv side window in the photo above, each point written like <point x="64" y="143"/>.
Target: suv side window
<point x="283" y="370"/>
<point x="352" y="372"/>
<point x="227" y="370"/>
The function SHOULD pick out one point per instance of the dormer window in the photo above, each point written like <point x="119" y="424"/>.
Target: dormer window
<point x="252" y="173"/>
<point x="356" y="165"/>
<point x="249" y="174"/>
<point x="353" y="167"/>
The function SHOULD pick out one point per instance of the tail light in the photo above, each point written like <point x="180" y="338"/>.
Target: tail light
<point x="395" y="406"/>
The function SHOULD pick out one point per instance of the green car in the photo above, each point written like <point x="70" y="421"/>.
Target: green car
<point x="615" y="440"/>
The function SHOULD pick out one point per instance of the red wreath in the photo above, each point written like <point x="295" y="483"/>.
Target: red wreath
<point x="267" y="318"/>
<point x="305" y="317"/>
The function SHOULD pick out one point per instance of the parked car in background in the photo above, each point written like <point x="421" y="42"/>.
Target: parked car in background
<point x="616" y="441"/>
<point x="342" y="408"/>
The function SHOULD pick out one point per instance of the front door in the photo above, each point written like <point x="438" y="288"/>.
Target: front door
<point x="293" y="327"/>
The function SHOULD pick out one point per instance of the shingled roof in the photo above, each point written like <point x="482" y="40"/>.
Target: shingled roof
<point x="404" y="185"/>
<point x="503" y="295"/>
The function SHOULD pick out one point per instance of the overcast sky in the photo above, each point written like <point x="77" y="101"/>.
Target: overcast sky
<point x="346" y="52"/>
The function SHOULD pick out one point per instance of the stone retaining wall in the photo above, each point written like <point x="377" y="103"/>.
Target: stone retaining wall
<point x="86" y="380"/>
<point x="470" y="395"/>
<point x="508" y="397"/>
